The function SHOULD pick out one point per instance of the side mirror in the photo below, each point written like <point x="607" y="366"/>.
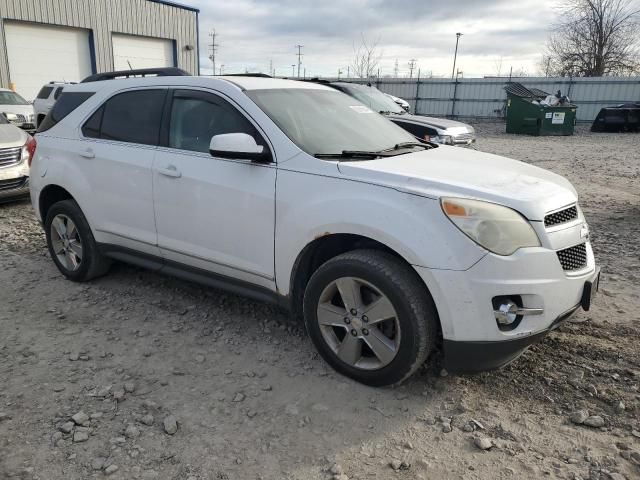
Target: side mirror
<point x="238" y="146"/>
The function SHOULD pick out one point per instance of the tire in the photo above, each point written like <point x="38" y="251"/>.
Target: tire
<point x="91" y="264"/>
<point x="411" y="331"/>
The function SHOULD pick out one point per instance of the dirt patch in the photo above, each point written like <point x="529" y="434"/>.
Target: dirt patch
<point x="176" y="381"/>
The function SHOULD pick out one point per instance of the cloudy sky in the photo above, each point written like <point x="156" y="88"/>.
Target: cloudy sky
<point x="498" y="34"/>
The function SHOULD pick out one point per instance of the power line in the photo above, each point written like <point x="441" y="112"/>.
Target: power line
<point x="299" y="47"/>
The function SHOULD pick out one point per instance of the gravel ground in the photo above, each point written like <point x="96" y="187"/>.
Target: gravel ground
<point x="137" y="375"/>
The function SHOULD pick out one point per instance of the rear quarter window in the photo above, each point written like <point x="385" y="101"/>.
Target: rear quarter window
<point x="45" y="92"/>
<point x="58" y="93"/>
<point x="66" y="104"/>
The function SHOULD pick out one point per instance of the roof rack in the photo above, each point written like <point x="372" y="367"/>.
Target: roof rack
<point x="258" y="75"/>
<point x="142" y="72"/>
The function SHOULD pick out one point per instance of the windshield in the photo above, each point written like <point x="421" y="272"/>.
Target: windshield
<point x="12" y="98"/>
<point x="374" y="99"/>
<point x="323" y="122"/>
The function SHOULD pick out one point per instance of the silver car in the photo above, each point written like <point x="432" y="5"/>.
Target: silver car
<point x="16" y="150"/>
<point x="431" y="129"/>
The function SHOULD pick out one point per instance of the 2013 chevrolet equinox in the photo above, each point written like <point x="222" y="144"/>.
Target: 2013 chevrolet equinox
<point x="296" y="193"/>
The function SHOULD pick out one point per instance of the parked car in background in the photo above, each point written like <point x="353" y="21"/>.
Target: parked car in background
<point x="46" y="98"/>
<point x="17" y="110"/>
<point x="403" y="103"/>
<point x="292" y="192"/>
<point x="16" y="149"/>
<point x="431" y="129"/>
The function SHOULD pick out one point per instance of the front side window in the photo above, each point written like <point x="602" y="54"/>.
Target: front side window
<point x="11" y="98"/>
<point x="196" y="117"/>
<point x="132" y="117"/>
<point x="328" y="122"/>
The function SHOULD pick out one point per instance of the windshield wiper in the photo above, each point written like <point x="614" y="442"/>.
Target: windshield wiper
<point x="363" y="155"/>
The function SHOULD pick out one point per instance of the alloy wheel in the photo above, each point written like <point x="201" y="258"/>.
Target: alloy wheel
<point x="359" y="323"/>
<point x="66" y="242"/>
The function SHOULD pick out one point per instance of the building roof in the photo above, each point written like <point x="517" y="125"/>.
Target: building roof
<point x="176" y="4"/>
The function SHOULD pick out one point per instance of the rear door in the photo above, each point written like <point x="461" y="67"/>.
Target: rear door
<point x="120" y="141"/>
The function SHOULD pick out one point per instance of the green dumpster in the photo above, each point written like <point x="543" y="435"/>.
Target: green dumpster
<point x="527" y="116"/>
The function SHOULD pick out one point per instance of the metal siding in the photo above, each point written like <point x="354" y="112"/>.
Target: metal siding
<point x="485" y="97"/>
<point x="102" y="17"/>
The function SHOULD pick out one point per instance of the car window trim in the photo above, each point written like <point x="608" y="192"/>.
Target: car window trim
<point x="102" y="102"/>
<point x="166" y="116"/>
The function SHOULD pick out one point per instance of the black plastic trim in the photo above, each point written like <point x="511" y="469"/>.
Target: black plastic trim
<point x="473" y="357"/>
<point x="194" y="274"/>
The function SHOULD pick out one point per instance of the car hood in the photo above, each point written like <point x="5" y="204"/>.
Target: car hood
<point x="450" y="171"/>
<point x="441" y="123"/>
<point x="23" y="109"/>
<point x="12" y="136"/>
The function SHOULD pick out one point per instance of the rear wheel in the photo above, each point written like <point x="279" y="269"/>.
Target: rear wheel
<point x="370" y="317"/>
<point x="71" y="243"/>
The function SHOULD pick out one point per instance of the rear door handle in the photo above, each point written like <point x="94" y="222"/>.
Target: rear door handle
<point x="88" y="153"/>
<point x="170" y="171"/>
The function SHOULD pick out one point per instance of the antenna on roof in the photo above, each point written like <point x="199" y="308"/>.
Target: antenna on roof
<point x="129" y="63"/>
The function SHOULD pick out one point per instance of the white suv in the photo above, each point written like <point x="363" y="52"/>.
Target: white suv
<point x="46" y="98"/>
<point x="295" y="193"/>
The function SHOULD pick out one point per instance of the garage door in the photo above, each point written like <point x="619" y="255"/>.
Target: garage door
<point x="131" y="51"/>
<point x="39" y="54"/>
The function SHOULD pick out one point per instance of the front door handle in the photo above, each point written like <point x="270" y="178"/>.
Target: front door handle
<point x="170" y="171"/>
<point x="88" y="153"/>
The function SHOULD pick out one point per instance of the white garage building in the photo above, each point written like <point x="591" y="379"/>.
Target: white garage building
<point x="67" y="40"/>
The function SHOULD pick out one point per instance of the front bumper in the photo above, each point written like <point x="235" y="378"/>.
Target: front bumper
<point x="14" y="189"/>
<point x="472" y="338"/>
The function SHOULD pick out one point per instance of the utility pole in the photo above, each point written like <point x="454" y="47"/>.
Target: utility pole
<point x="455" y="55"/>
<point x="412" y="66"/>
<point x="221" y="69"/>
<point x="299" y="47"/>
<point x="293" y="70"/>
<point x="271" y="67"/>
<point x="395" y="69"/>
<point x="348" y="72"/>
<point x="213" y="47"/>
<point x="339" y="73"/>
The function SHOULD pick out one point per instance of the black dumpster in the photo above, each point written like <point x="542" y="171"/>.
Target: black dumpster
<point x="621" y="118"/>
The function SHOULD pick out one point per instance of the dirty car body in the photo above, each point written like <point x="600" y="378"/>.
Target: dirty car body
<point x="298" y="194"/>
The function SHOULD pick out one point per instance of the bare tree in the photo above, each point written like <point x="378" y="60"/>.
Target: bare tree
<point x="366" y="57"/>
<point x="497" y="65"/>
<point x="595" y="38"/>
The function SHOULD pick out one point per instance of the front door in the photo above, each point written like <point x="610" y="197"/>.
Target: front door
<point x="212" y="213"/>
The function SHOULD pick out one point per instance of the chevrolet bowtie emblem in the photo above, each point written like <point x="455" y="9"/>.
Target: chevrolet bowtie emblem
<point x="584" y="231"/>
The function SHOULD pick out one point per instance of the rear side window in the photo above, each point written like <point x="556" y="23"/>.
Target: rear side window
<point x="58" y="93"/>
<point x="132" y="117"/>
<point x="45" y="92"/>
<point x="66" y="104"/>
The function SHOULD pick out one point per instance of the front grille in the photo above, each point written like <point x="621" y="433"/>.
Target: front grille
<point x="463" y="138"/>
<point x="573" y="258"/>
<point x="9" y="156"/>
<point x="13" y="184"/>
<point x="562" y="216"/>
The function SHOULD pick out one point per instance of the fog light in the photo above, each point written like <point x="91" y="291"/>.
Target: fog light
<point x="506" y="313"/>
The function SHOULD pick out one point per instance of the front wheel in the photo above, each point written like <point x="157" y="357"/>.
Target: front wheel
<point x="370" y="317"/>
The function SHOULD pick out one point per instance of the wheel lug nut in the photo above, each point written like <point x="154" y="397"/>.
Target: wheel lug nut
<point x="347" y="320"/>
<point x="365" y="319"/>
<point x="354" y="311"/>
<point x="354" y="333"/>
<point x="365" y="331"/>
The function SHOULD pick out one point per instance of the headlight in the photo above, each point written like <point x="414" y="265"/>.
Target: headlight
<point x="499" y="229"/>
<point x="12" y="117"/>
<point x="443" y="139"/>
